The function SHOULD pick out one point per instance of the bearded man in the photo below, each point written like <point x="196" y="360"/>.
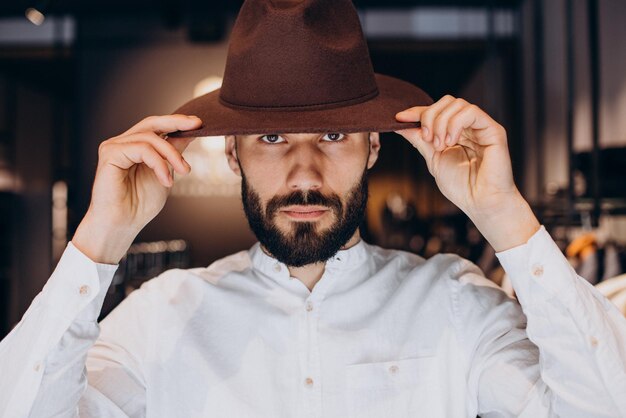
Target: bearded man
<point x="312" y="321"/>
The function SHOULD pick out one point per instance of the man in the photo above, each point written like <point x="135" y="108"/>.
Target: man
<point x="313" y="322"/>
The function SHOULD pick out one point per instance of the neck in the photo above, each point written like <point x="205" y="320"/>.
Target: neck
<point x="310" y="274"/>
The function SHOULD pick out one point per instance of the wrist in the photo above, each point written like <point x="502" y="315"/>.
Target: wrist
<point x="507" y="226"/>
<point x="101" y="242"/>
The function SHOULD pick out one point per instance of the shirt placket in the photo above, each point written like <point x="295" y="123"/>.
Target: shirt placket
<point x="310" y="361"/>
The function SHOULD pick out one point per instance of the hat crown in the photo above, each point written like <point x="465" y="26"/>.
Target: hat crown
<point x="290" y="54"/>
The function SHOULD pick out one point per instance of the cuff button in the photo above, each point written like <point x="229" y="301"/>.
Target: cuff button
<point x="537" y="270"/>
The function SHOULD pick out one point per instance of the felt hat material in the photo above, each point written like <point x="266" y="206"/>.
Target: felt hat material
<point x="301" y="67"/>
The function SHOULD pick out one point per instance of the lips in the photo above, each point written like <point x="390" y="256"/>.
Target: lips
<point x="304" y="212"/>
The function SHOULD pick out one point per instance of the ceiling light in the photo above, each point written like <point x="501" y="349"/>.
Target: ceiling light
<point x="35" y="16"/>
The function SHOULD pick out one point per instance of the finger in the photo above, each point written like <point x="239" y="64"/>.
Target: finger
<point x="473" y="117"/>
<point x="126" y="155"/>
<point x="165" y="124"/>
<point x="426" y="115"/>
<point x="443" y="137"/>
<point x="412" y="114"/>
<point x="415" y="137"/>
<point x="429" y="115"/>
<point x="162" y="146"/>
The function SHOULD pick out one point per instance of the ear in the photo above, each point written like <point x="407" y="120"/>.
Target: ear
<point x="374" y="149"/>
<point x="231" y="154"/>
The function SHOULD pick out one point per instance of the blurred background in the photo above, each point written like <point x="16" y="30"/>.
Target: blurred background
<point x="74" y="73"/>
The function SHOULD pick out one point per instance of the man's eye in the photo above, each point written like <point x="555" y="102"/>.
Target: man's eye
<point x="333" y="137"/>
<point x="272" y="139"/>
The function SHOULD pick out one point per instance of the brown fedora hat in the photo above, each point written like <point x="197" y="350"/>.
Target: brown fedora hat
<point x="301" y="66"/>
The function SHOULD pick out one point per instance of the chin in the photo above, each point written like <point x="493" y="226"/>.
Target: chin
<point x="289" y="228"/>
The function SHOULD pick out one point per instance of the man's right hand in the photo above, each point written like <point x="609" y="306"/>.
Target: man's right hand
<point x="132" y="184"/>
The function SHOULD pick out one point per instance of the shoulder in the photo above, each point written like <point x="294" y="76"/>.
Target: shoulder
<point x="448" y="267"/>
<point x="467" y="283"/>
<point x="477" y="304"/>
<point x="402" y="262"/>
<point x="444" y="277"/>
<point x="185" y="283"/>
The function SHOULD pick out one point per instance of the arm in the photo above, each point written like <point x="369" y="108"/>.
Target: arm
<point x="558" y="354"/>
<point x="43" y="358"/>
<point x="580" y="335"/>
<point x="577" y="364"/>
<point x="68" y="352"/>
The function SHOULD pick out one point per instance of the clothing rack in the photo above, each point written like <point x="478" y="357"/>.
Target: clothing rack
<point x="569" y="209"/>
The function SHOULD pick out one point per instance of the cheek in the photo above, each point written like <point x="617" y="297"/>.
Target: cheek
<point x="349" y="161"/>
<point x="264" y="179"/>
<point x="341" y="185"/>
<point x="343" y="174"/>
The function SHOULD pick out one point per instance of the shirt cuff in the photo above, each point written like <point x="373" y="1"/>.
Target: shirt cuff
<point x="539" y="271"/>
<point x="78" y="285"/>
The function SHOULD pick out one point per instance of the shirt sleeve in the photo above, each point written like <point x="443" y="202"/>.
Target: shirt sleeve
<point x="559" y="352"/>
<point x="43" y="357"/>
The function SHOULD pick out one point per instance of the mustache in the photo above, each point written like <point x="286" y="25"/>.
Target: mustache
<point x="299" y="197"/>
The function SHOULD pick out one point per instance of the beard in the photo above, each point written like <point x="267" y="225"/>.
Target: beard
<point x="305" y="244"/>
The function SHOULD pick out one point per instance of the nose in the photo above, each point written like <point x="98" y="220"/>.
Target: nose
<point x="304" y="171"/>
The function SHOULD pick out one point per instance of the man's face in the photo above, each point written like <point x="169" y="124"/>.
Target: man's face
<point x="304" y="194"/>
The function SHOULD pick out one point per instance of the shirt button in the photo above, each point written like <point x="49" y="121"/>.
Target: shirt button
<point x="393" y="369"/>
<point x="309" y="306"/>
<point x="84" y="290"/>
<point x="37" y="366"/>
<point x="593" y="341"/>
<point x="277" y="268"/>
<point x="308" y="382"/>
<point x="537" y="270"/>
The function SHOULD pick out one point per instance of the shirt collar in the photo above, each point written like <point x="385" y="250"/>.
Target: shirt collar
<point x="343" y="260"/>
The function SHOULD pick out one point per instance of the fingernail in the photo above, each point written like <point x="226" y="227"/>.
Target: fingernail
<point x="437" y="141"/>
<point x="448" y="139"/>
<point x="425" y="130"/>
<point x="193" y="117"/>
<point x="186" y="163"/>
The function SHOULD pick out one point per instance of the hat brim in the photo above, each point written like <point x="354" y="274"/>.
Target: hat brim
<point x="374" y="115"/>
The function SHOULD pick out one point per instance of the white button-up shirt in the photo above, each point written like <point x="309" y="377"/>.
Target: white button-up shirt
<point x="382" y="334"/>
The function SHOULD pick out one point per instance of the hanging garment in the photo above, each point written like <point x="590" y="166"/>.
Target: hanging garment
<point x="612" y="263"/>
<point x="619" y="300"/>
<point x="611" y="287"/>
<point x="582" y="253"/>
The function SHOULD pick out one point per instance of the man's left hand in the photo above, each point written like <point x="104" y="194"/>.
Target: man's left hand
<point x="466" y="151"/>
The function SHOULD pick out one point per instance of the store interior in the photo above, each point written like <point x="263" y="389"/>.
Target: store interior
<point x="73" y="74"/>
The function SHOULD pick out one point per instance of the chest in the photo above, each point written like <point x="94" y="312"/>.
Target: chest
<point x="308" y="358"/>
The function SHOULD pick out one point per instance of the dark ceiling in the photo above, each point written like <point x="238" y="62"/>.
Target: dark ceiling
<point x="125" y="7"/>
